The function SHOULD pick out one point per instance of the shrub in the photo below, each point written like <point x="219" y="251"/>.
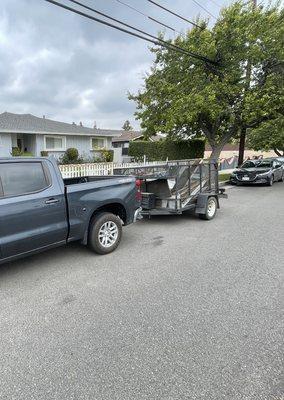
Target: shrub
<point x="107" y="155"/>
<point x="71" y="156"/>
<point x="103" y="155"/>
<point x="171" y="149"/>
<point x="44" y="153"/>
<point x="16" y="152"/>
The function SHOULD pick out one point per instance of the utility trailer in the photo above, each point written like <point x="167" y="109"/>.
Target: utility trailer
<point x="178" y="186"/>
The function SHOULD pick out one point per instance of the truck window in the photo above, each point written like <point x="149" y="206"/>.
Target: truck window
<point x="22" y="178"/>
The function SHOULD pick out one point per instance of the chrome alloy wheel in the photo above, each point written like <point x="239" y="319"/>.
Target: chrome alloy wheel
<point x="211" y="207"/>
<point x="108" y="234"/>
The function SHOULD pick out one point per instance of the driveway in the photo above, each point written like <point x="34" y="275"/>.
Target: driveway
<point x="184" y="309"/>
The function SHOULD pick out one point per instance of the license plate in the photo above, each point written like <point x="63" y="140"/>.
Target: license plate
<point x="245" y="178"/>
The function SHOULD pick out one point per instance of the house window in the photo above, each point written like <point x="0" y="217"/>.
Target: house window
<point x="97" y="143"/>
<point x="55" y="143"/>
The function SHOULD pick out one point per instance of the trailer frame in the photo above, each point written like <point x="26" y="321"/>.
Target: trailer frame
<point x="195" y="181"/>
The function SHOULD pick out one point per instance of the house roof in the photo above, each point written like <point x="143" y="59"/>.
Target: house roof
<point x="126" y="136"/>
<point x="28" y="123"/>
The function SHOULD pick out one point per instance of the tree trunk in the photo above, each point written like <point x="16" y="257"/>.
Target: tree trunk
<point x="216" y="151"/>
<point x="242" y="147"/>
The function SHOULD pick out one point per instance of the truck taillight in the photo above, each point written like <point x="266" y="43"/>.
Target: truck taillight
<point x="138" y="187"/>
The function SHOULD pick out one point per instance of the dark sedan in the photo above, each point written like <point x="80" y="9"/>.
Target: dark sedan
<point x="264" y="171"/>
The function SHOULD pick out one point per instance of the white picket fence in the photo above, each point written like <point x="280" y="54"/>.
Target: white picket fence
<point x="99" y="169"/>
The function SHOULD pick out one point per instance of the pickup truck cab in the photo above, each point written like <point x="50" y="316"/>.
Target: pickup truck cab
<point x="40" y="210"/>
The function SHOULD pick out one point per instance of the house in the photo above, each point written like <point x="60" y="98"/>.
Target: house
<point x="34" y="135"/>
<point x="123" y="140"/>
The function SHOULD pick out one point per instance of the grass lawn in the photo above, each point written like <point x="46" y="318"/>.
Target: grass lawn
<point x="224" y="177"/>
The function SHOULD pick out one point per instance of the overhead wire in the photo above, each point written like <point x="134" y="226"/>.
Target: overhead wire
<point x="149" y="17"/>
<point x="174" y="13"/>
<point x="155" y="40"/>
<point x="203" y="8"/>
<point x="216" y="4"/>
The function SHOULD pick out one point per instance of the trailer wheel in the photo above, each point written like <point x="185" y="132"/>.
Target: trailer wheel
<point x="211" y="209"/>
<point x="105" y="233"/>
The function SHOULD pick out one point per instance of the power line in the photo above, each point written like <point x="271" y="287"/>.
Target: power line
<point x="205" y="9"/>
<point x="129" y="26"/>
<point x="120" y="22"/>
<point x="149" y="17"/>
<point x="216" y="4"/>
<point x="155" y="40"/>
<point x="173" y="13"/>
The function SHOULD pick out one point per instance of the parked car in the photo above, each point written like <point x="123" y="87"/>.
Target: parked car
<point x="264" y="171"/>
<point x="40" y="210"/>
<point x="281" y="159"/>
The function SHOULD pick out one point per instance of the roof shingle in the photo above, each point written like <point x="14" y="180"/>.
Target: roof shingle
<point x="22" y="123"/>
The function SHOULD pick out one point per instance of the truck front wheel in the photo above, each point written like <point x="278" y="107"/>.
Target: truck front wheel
<point x="105" y="233"/>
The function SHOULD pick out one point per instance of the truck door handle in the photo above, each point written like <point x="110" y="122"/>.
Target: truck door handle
<point x="52" y="201"/>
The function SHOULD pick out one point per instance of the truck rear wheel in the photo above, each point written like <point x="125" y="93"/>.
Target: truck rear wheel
<point x="105" y="233"/>
<point x="211" y="209"/>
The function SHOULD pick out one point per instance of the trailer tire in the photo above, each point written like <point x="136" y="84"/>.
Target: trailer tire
<point x="105" y="233"/>
<point x="211" y="209"/>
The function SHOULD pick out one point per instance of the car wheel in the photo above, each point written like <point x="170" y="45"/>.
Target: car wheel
<point x="271" y="180"/>
<point x="104" y="233"/>
<point x="282" y="178"/>
<point x="211" y="209"/>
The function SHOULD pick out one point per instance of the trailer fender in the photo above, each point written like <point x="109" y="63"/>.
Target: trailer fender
<point x="201" y="203"/>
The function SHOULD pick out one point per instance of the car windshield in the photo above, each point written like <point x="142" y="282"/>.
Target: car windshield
<point x="248" y="164"/>
<point x="264" y="164"/>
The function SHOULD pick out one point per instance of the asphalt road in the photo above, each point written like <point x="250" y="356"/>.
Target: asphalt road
<point x="184" y="309"/>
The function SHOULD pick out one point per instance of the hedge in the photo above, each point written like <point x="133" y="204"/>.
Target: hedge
<point x="163" y="149"/>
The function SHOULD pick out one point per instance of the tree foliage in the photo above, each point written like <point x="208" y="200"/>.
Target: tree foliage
<point x="126" y="126"/>
<point x="269" y="135"/>
<point x="163" y="149"/>
<point x="185" y="96"/>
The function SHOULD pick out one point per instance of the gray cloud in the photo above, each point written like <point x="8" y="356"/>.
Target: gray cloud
<point x="71" y="69"/>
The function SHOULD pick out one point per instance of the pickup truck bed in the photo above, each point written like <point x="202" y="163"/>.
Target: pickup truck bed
<point x="39" y="210"/>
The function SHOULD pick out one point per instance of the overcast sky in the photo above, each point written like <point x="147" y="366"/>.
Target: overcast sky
<point x="68" y="68"/>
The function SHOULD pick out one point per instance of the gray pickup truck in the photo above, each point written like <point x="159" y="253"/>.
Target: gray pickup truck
<point x="40" y="210"/>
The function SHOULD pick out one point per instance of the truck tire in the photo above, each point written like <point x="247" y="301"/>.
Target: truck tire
<point x="211" y="209"/>
<point x="104" y="233"/>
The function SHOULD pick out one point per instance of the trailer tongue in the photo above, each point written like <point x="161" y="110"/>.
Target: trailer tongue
<point x="177" y="186"/>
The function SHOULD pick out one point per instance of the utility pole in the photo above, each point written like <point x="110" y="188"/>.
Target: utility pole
<point x="242" y="143"/>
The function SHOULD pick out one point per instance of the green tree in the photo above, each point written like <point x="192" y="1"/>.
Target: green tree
<point x="126" y="126"/>
<point x="184" y="96"/>
<point x="269" y="135"/>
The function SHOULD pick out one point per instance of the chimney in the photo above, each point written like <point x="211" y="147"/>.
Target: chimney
<point x="95" y="125"/>
<point x="43" y="117"/>
<point x="73" y="123"/>
<point x="81" y="123"/>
